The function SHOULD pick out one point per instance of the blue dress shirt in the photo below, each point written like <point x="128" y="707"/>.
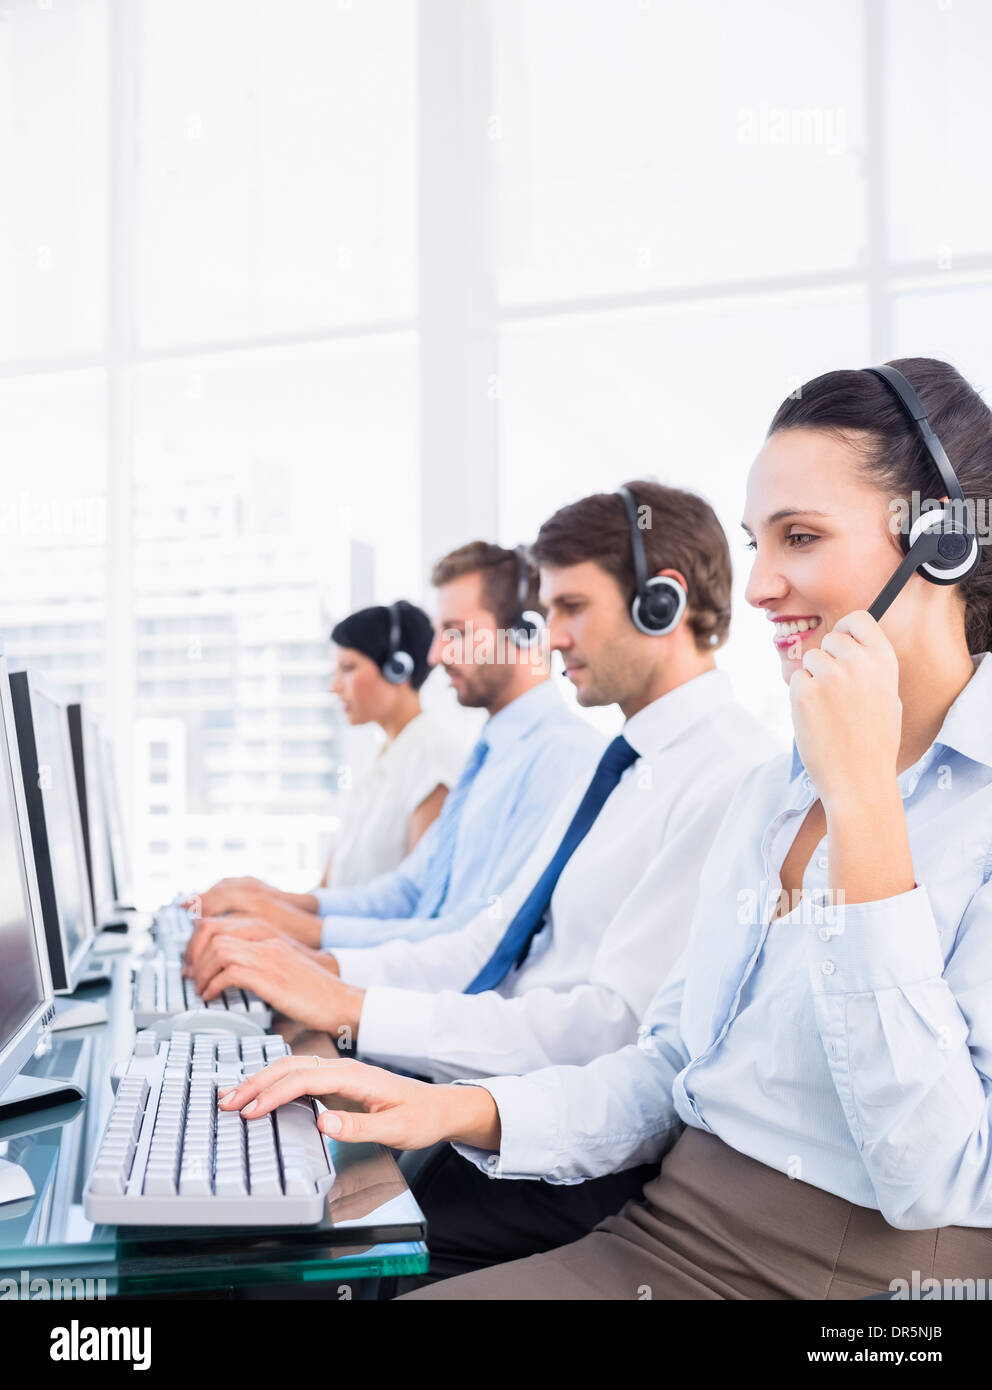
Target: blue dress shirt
<point x="538" y="749"/>
<point x="848" y="1046"/>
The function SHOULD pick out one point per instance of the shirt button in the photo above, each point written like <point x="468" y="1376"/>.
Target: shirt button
<point x="825" y="934"/>
<point x="821" y="863"/>
<point x="827" y="968"/>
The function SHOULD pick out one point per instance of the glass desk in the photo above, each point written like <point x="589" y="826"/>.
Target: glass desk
<point x="371" y="1225"/>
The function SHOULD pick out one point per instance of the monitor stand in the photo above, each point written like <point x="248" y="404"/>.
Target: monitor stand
<point x="77" y="1013"/>
<point x="93" y="974"/>
<point x="30" y="1096"/>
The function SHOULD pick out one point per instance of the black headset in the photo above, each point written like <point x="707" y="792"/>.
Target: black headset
<point x="398" y="665"/>
<point x="658" y="602"/>
<point x="941" y="544"/>
<point x="528" y="624"/>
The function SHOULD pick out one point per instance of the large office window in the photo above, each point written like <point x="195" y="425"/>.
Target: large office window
<point x="208" y="347"/>
<point x="53" y="425"/>
<point x="681" y="244"/>
<point x="293" y="296"/>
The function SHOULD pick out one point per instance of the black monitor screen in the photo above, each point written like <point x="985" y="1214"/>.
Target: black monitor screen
<point x="54" y="778"/>
<point x="22" y="987"/>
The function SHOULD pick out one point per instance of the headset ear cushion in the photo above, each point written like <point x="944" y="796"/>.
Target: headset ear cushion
<point x="956" y="552"/>
<point x="953" y="546"/>
<point x="398" y="668"/>
<point x="658" y="609"/>
<point x="527" y="629"/>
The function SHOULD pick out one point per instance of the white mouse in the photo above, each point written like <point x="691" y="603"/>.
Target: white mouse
<point x="209" y="1021"/>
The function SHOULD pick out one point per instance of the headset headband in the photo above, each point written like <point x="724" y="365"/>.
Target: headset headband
<point x="523" y="577"/>
<point x="916" y="411"/>
<point x="637" y="544"/>
<point x="399" y="665"/>
<point x="395" y="632"/>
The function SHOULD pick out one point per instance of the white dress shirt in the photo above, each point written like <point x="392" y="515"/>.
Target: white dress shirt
<point x="849" y="1046"/>
<point x="619" y="915"/>
<point x="425" y="754"/>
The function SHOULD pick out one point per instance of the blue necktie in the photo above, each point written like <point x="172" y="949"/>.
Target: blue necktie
<point x="528" y="921"/>
<point x="439" y="868"/>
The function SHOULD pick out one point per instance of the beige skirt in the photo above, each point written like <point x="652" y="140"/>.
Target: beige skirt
<point x="715" y="1224"/>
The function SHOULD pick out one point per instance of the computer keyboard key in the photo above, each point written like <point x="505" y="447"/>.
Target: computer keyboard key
<point x="158" y="1184"/>
<point x="231" y="1184"/>
<point x="107" y="1183"/>
<point x="265" y="1184"/>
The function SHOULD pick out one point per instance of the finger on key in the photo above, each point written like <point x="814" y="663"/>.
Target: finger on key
<point x="302" y="1081"/>
<point x="249" y="1088"/>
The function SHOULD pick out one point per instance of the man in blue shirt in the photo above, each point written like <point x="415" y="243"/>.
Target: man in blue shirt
<point x="531" y="751"/>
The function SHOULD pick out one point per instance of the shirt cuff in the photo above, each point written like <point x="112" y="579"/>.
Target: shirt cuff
<point x="360" y="965"/>
<point x="346" y="931"/>
<point x="858" y="948"/>
<point x="395" y="1023"/>
<point x="528" y="1141"/>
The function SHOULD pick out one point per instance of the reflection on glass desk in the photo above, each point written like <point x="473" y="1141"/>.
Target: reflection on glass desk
<point x="371" y="1226"/>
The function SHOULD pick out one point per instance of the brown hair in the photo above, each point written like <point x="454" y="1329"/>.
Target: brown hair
<point x="499" y="570"/>
<point x="682" y="533"/>
<point x="894" y="457"/>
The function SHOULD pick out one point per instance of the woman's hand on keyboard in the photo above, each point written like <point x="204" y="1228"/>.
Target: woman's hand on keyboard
<point x="398" y="1111"/>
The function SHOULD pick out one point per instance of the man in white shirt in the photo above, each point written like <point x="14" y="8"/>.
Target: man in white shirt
<point x="562" y="965"/>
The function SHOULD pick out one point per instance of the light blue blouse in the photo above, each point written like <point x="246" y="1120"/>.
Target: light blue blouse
<point x="849" y="1046"/>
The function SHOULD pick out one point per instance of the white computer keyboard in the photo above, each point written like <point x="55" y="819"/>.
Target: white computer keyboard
<point x="170" y="1156"/>
<point x="160" y="990"/>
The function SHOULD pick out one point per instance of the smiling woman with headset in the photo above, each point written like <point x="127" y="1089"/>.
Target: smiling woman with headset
<point x="817" y="1070"/>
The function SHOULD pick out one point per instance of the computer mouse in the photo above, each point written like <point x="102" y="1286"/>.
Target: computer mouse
<point x="209" y="1021"/>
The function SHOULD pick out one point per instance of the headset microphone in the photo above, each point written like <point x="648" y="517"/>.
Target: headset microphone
<point x="398" y="666"/>
<point x="941" y="545"/>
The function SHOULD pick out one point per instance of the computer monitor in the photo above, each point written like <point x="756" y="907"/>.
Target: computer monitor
<point x="26" y="1003"/>
<point x="84" y="740"/>
<point x="26" y="1006"/>
<point x="120" y="862"/>
<point x="56" y="831"/>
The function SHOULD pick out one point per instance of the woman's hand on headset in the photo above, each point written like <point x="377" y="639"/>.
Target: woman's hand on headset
<point x="847" y="712"/>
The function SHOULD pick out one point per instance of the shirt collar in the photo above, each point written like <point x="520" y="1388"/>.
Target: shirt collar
<point x="664" y="720"/>
<point x="966" y="727"/>
<point x="522" y="715"/>
<point x="407" y="735"/>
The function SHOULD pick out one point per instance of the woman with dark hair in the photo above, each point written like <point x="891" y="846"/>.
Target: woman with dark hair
<point x="402" y="795"/>
<point x="381" y="664"/>
<point x="817" y="1070"/>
